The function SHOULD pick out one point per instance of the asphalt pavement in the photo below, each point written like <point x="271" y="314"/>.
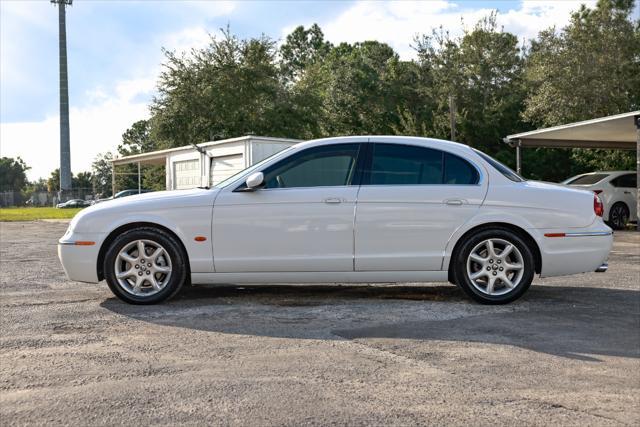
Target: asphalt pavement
<point x="567" y="353"/>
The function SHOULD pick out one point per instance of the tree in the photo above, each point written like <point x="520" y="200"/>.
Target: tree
<point x="230" y="88"/>
<point x="53" y="182"/>
<point x="482" y="70"/>
<point x="102" y="173"/>
<point x="362" y="86"/>
<point x="83" y="181"/>
<point x="302" y="49"/>
<point x="13" y="176"/>
<point x="135" y="140"/>
<point x="589" y="69"/>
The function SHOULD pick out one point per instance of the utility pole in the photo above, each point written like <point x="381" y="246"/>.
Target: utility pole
<point x="65" y="149"/>
<point x="452" y="116"/>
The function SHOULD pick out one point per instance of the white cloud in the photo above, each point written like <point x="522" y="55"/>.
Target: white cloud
<point x="95" y="129"/>
<point x="396" y="23"/>
<point x="99" y="126"/>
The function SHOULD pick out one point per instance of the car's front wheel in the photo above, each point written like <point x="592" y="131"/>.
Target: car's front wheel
<point x="494" y="266"/>
<point x="145" y="266"/>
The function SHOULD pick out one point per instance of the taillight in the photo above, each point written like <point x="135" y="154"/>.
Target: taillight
<point x="598" y="207"/>
<point x="597" y="191"/>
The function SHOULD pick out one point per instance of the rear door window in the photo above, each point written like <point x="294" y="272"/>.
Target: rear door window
<point x="629" y="180"/>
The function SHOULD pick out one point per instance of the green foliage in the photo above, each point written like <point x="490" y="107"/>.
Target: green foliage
<point x="101" y="168"/>
<point x="589" y="69"/>
<point x="13" y="174"/>
<point x="82" y="181"/>
<point x="309" y="88"/>
<point x="482" y="71"/>
<point x="301" y="50"/>
<point x="231" y="87"/>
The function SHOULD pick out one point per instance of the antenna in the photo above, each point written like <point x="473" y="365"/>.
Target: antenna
<point x="65" y="149"/>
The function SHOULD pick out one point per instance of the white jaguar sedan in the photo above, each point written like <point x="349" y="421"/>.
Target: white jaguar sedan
<point x="354" y="209"/>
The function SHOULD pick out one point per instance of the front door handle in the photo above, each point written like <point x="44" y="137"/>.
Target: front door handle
<point x="333" y="200"/>
<point x="454" y="202"/>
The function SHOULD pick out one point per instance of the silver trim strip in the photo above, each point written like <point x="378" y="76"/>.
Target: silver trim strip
<point x="589" y="233"/>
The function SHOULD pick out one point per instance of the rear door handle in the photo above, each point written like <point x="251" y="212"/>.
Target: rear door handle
<point x="333" y="200"/>
<point x="627" y="192"/>
<point x="454" y="202"/>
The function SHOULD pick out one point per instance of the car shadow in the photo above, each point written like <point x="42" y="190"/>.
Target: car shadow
<point x="571" y="322"/>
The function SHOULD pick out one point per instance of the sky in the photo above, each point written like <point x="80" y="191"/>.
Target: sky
<point x="115" y="54"/>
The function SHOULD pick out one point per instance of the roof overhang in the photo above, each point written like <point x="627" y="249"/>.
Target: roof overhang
<point x="160" y="157"/>
<point x="612" y="132"/>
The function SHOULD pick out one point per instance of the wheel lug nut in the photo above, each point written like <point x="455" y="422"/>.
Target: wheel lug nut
<point x="140" y="273"/>
<point x="495" y="273"/>
<point x="501" y="268"/>
<point x="137" y="266"/>
<point x="488" y="268"/>
<point x="148" y="272"/>
<point x="490" y="261"/>
<point x="499" y="261"/>
<point x="149" y="265"/>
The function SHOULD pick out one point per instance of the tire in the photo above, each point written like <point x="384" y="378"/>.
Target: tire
<point x="158" y="279"/>
<point x="487" y="278"/>
<point x="618" y="216"/>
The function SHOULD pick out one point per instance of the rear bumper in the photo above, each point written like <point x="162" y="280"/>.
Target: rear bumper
<point x="575" y="251"/>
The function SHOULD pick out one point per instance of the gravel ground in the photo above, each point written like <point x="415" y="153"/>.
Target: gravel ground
<point x="567" y="353"/>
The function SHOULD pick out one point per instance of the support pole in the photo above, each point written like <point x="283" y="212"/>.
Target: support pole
<point x="452" y="116"/>
<point x="518" y="159"/>
<point x="65" y="150"/>
<point x="139" y="182"/>
<point x="113" y="179"/>
<point x="637" y="122"/>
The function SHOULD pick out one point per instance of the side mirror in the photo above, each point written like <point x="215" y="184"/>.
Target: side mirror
<point x="255" y="180"/>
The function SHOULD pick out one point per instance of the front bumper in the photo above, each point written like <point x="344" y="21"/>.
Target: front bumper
<point x="80" y="261"/>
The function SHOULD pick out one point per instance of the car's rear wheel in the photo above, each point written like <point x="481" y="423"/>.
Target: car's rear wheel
<point x="494" y="266"/>
<point x="145" y="266"/>
<point x="618" y="216"/>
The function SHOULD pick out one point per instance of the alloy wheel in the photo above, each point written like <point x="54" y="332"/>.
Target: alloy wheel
<point x="495" y="267"/>
<point x="143" y="268"/>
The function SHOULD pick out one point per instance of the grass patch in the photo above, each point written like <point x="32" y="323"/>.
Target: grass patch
<point x="32" y="214"/>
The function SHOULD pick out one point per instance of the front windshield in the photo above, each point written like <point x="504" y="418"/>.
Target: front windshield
<point x="250" y="169"/>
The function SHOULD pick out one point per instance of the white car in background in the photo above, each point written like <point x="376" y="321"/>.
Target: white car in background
<point x="369" y="209"/>
<point x="618" y="191"/>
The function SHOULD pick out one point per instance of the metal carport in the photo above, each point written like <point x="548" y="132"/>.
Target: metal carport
<point x="620" y="132"/>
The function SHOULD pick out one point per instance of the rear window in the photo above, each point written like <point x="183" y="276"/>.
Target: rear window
<point x="625" y="181"/>
<point x="588" y="179"/>
<point x="504" y="170"/>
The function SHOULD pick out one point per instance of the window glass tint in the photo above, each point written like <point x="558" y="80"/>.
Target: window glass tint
<point x="394" y="164"/>
<point x="504" y="170"/>
<point x="626" y="181"/>
<point x="459" y="171"/>
<point x="588" y="179"/>
<point x="331" y="165"/>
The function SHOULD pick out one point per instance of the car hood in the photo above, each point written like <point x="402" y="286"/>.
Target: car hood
<point x="144" y="203"/>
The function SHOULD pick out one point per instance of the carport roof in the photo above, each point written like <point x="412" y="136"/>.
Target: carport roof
<point x="615" y="132"/>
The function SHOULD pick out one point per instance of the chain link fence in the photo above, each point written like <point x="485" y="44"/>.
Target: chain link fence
<point x="42" y="198"/>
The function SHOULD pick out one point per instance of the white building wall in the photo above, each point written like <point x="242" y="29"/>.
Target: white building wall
<point x="250" y="149"/>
